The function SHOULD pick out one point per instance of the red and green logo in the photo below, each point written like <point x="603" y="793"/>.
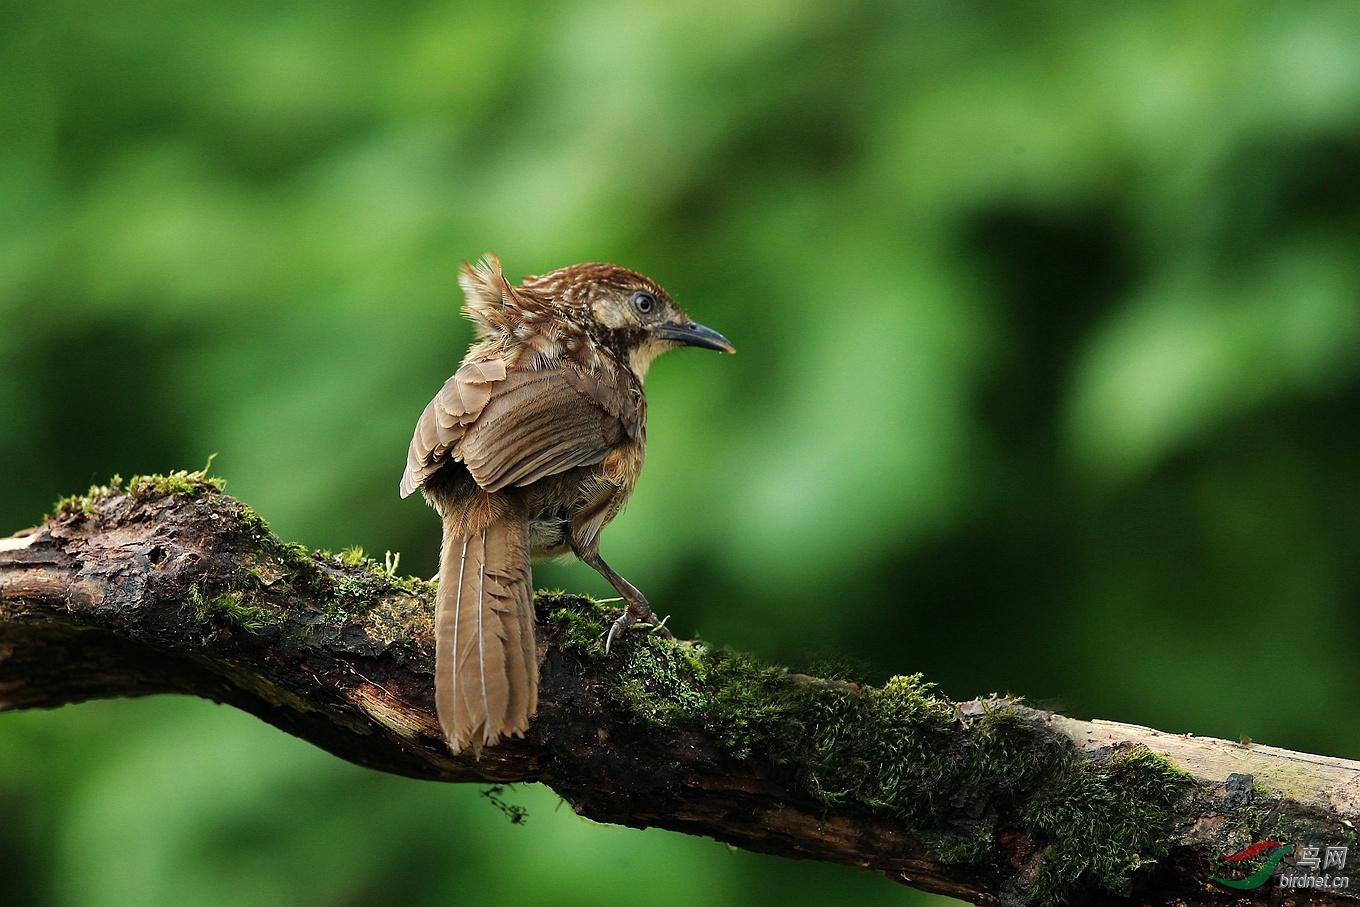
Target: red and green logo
<point x="1277" y="850"/>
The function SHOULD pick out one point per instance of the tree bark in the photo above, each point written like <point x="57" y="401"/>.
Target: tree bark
<point x="170" y="586"/>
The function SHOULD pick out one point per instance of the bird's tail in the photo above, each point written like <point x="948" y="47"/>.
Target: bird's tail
<point x="486" y="666"/>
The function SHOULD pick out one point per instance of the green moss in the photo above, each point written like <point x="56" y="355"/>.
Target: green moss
<point x="901" y="751"/>
<point x="961" y="848"/>
<point x="578" y="623"/>
<point x="1106" y="821"/>
<point x="253" y="524"/>
<point x="303" y="570"/>
<point x="350" y="582"/>
<point x="229" y="608"/>
<point x="180" y="483"/>
<point x="86" y="504"/>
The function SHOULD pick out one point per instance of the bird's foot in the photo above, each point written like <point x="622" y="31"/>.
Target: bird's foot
<point x="636" y="614"/>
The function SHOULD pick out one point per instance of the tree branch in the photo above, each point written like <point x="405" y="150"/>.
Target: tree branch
<point x="170" y="586"/>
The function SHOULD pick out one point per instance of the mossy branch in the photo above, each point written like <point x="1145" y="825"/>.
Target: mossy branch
<point x="167" y="585"/>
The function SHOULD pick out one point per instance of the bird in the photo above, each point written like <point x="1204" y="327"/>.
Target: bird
<point x="527" y="452"/>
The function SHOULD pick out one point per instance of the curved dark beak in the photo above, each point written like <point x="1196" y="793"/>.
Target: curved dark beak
<point x="692" y="334"/>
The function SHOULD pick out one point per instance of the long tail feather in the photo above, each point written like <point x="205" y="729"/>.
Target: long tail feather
<point x="486" y="671"/>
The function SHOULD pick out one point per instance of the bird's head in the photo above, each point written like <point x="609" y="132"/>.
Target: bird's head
<point x="625" y="312"/>
<point x="634" y="317"/>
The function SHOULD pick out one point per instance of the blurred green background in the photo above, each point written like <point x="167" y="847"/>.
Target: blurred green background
<point x="1048" y="378"/>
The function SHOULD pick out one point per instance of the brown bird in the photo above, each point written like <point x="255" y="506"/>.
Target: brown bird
<point x="527" y="452"/>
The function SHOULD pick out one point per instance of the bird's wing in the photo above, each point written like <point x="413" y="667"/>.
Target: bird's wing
<point x="537" y="423"/>
<point x="446" y="419"/>
<point x="517" y="427"/>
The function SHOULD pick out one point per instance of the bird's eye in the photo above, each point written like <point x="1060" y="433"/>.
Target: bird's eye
<point x="643" y="302"/>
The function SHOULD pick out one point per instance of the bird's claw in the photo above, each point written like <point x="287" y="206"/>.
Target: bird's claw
<point x="628" y="618"/>
<point x="621" y="623"/>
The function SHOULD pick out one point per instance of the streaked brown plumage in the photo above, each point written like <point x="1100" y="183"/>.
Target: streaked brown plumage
<point x="528" y="451"/>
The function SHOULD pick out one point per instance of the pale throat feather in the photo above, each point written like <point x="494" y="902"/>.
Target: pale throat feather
<point x="641" y="357"/>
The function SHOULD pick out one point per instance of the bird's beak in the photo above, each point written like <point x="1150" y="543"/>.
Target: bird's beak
<point x="692" y="334"/>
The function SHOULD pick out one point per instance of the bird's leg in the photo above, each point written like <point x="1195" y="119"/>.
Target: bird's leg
<point x="638" y="611"/>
